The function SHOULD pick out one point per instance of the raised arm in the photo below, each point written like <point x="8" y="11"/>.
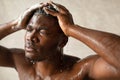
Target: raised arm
<point x="6" y="55"/>
<point x="20" y="23"/>
<point x="107" y="45"/>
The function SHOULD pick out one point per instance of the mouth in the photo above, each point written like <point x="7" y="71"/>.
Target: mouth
<point x="29" y="49"/>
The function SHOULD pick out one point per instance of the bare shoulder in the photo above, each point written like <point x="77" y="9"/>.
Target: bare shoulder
<point x="18" y="54"/>
<point x="19" y="57"/>
<point x="22" y="64"/>
<point x="95" y="67"/>
<point x="77" y="63"/>
<point x="9" y="56"/>
<point x="82" y="67"/>
<point x="87" y="61"/>
<point x="10" y="50"/>
<point x="101" y="69"/>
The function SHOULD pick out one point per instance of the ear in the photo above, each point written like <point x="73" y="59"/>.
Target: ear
<point x="63" y="40"/>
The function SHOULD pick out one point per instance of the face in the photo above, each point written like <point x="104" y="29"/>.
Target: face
<point x="42" y="37"/>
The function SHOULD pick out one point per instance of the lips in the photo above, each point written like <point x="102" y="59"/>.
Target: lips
<point x="29" y="47"/>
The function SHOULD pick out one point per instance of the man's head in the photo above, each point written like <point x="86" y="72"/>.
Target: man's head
<point x="43" y="38"/>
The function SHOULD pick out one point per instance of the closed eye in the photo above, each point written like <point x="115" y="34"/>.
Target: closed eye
<point x="43" y="30"/>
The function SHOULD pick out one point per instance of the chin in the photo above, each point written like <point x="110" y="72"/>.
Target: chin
<point x="33" y="57"/>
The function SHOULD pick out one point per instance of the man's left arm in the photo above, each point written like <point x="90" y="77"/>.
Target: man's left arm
<point x="105" y="44"/>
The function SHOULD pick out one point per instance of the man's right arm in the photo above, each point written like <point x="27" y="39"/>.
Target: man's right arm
<point x="106" y="45"/>
<point x="6" y="59"/>
<point x="8" y="28"/>
<point x="6" y="55"/>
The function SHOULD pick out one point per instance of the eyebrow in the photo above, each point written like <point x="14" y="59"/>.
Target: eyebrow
<point x="39" y="28"/>
<point x="43" y="27"/>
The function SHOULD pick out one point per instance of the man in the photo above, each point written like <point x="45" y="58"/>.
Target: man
<point x="47" y="27"/>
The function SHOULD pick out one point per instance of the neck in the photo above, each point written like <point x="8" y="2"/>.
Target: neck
<point x="50" y="66"/>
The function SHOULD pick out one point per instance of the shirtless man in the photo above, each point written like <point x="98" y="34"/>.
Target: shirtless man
<point x="47" y="32"/>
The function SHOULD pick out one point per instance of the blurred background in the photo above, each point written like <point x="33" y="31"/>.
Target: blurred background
<point x="101" y="15"/>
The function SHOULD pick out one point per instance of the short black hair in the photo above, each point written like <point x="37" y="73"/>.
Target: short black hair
<point x="42" y="12"/>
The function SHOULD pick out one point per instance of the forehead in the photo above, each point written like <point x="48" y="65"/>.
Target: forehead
<point x="43" y="21"/>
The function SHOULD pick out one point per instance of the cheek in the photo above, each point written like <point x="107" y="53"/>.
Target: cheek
<point x="44" y="41"/>
<point x="48" y="42"/>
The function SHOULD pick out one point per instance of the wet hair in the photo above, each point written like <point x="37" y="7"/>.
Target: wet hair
<point x="42" y="12"/>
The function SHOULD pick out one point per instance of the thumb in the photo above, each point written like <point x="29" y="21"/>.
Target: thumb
<point x="51" y="12"/>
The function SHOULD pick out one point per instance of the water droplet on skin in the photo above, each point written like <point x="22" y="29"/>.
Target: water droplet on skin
<point x="68" y="68"/>
<point x="32" y="62"/>
<point x="80" y="72"/>
<point x="47" y="78"/>
<point x="61" y="70"/>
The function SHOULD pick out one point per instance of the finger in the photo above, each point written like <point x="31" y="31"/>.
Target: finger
<point x="59" y="7"/>
<point x="32" y="9"/>
<point x="51" y="12"/>
<point x="36" y="6"/>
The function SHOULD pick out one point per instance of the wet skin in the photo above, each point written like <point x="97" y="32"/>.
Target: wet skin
<point x="40" y="40"/>
<point x="43" y="58"/>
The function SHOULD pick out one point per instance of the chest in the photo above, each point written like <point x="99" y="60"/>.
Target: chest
<point x="76" y="75"/>
<point x="32" y="75"/>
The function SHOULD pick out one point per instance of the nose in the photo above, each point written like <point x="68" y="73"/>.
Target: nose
<point x="32" y="36"/>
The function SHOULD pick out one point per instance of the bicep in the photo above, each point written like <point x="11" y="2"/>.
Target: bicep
<point x="6" y="57"/>
<point x="102" y="69"/>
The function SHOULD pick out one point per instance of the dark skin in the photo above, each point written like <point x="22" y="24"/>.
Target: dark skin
<point x="43" y="57"/>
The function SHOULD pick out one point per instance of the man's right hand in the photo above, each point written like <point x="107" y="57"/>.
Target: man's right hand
<point x="19" y="23"/>
<point x="23" y="19"/>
